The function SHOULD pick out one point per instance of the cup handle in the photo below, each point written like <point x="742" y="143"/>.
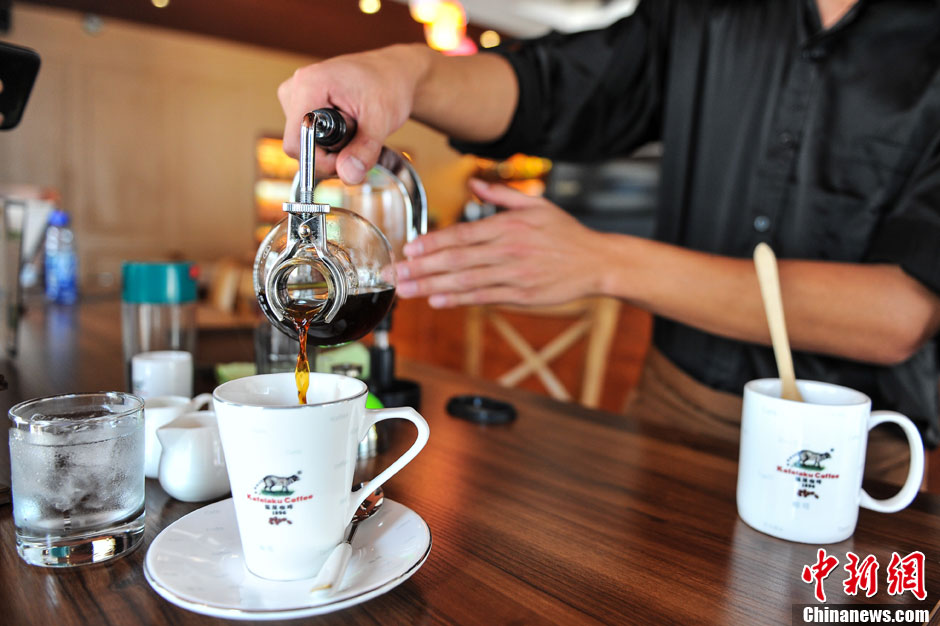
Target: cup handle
<point x="372" y="418"/>
<point x="915" y="473"/>
<point x="200" y="401"/>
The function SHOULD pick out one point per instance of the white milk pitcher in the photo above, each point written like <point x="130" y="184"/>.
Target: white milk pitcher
<point x="159" y="411"/>
<point x="192" y="465"/>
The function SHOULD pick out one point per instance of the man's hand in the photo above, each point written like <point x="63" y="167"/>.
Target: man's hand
<point x="376" y="88"/>
<point x="471" y="98"/>
<point x="532" y="254"/>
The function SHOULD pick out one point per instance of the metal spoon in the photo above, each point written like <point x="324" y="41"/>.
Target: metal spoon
<point x="332" y="572"/>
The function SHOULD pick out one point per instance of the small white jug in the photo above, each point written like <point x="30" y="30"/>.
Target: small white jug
<point x="192" y="465"/>
<point x="159" y="411"/>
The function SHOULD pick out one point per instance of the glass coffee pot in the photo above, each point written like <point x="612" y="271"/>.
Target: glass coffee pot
<point x="327" y="270"/>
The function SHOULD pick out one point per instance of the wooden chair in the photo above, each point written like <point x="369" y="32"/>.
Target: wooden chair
<point x="593" y="320"/>
<point x="230" y="301"/>
<point x="226" y="284"/>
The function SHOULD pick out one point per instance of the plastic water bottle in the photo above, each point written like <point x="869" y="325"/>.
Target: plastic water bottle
<point x="61" y="262"/>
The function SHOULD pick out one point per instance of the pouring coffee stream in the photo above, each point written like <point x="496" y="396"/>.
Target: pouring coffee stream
<point x="323" y="271"/>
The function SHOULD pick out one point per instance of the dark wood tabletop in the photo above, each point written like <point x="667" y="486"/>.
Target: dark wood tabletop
<point x="567" y="516"/>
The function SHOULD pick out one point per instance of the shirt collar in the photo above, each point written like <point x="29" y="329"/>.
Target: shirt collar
<point x="809" y="24"/>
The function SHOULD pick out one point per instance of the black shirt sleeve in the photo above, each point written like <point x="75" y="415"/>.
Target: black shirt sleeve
<point x="910" y="233"/>
<point x="587" y="96"/>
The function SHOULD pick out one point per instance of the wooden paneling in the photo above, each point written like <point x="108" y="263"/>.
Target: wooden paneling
<point x="213" y="193"/>
<point x="118" y="142"/>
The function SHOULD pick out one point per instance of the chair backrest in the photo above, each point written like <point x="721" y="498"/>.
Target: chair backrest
<point x="224" y="286"/>
<point x="593" y="320"/>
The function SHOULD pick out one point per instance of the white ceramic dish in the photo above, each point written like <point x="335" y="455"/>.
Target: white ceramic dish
<point x="196" y="563"/>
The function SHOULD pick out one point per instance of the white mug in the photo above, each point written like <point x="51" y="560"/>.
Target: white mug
<point x="161" y="410"/>
<point x="801" y="463"/>
<point x="162" y="373"/>
<point x="291" y="466"/>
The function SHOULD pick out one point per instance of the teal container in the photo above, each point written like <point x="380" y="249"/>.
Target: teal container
<point x="158" y="308"/>
<point x="158" y="283"/>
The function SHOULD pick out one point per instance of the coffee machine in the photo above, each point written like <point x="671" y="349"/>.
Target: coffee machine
<point x="331" y="258"/>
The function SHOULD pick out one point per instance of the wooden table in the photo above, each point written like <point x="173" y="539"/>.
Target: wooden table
<point x="566" y="516"/>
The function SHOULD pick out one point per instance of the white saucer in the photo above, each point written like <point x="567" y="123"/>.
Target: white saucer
<point x="196" y="563"/>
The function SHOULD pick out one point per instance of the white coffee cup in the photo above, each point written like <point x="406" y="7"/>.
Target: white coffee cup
<point x="162" y="410"/>
<point x="291" y="466"/>
<point x="162" y="373"/>
<point x="801" y="463"/>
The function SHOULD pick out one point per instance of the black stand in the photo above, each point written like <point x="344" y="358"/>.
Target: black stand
<point x="382" y="382"/>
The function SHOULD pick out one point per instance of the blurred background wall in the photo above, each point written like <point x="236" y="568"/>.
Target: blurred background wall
<point x="149" y="135"/>
<point x="146" y="121"/>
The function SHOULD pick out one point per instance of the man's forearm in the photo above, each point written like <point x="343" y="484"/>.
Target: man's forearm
<point x="872" y="313"/>
<point x="471" y="98"/>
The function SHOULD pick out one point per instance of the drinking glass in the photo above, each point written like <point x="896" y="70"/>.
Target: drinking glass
<point x="77" y="466"/>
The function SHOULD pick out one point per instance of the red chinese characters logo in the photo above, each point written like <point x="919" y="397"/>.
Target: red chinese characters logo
<point x="819" y="571"/>
<point x="907" y="574"/>
<point x="903" y="574"/>
<point x="862" y="575"/>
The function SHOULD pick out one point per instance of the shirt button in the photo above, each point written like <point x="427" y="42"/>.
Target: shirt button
<point x="814" y="54"/>
<point x="787" y="140"/>
<point x="762" y="223"/>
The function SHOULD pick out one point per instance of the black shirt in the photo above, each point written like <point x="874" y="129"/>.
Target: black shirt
<point x="823" y="143"/>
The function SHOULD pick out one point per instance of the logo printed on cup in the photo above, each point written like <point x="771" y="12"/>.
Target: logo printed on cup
<point x="806" y="466"/>
<point x="277" y="496"/>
